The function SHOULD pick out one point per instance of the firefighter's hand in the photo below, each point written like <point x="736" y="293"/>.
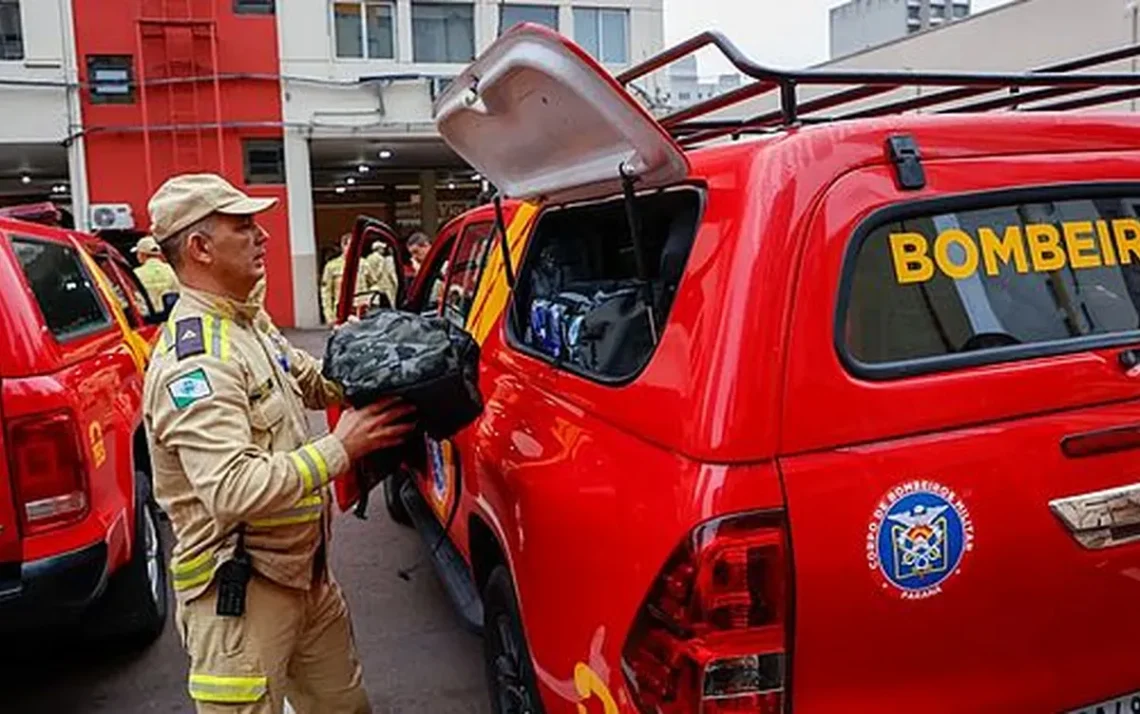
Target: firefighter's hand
<point x="378" y="426"/>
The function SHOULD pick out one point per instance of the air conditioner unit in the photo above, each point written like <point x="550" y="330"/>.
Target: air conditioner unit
<point x="111" y="217"/>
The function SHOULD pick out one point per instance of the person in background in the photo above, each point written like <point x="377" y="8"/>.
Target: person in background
<point x="418" y="245"/>
<point x="154" y="273"/>
<point x="331" y="278"/>
<point x="382" y="270"/>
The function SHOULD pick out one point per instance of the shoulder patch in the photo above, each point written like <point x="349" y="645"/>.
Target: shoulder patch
<point x="189" y="388"/>
<point x="189" y="339"/>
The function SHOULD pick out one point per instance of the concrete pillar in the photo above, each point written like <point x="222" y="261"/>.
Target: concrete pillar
<point x="302" y="231"/>
<point x="404" y="53"/>
<point x="77" y="150"/>
<point x="429" y="208"/>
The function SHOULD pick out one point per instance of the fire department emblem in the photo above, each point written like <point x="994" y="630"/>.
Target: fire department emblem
<point x="917" y="539"/>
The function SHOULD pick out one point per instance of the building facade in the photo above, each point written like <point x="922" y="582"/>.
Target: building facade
<point x="860" y="24"/>
<point x="687" y="88"/>
<point x="323" y="104"/>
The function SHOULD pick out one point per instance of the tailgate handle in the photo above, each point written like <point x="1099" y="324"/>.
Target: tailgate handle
<point x="1101" y="441"/>
<point x="1103" y="518"/>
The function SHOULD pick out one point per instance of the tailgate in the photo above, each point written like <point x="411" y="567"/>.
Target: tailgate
<point x="963" y="440"/>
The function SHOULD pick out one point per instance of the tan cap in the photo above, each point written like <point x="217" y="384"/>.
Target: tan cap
<point x="187" y="199"/>
<point x="146" y="245"/>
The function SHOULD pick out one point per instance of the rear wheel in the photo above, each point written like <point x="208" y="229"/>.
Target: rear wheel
<point x="135" y="604"/>
<point x="392" y="501"/>
<point x="510" y="671"/>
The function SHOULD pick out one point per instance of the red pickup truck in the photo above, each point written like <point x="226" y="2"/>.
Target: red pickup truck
<point x="824" y="406"/>
<point x="78" y="535"/>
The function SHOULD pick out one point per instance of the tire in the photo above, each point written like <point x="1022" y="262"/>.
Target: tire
<point x="136" y="601"/>
<point x="506" y="657"/>
<point x="392" y="502"/>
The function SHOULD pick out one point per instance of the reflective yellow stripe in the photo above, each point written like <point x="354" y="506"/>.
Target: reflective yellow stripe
<point x="208" y="335"/>
<point x="306" y="510"/>
<point x="227" y="690"/>
<point x="193" y="572"/>
<point x="225" y="340"/>
<point x="306" y="473"/>
<point x="322" y="467"/>
<point x="183" y="566"/>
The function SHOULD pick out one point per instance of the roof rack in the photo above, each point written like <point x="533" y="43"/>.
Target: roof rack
<point x="1046" y="83"/>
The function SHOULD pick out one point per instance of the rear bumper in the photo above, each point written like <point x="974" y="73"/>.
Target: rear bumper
<point x="53" y="590"/>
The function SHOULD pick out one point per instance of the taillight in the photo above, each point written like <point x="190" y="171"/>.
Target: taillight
<point x="711" y="635"/>
<point x="46" y="461"/>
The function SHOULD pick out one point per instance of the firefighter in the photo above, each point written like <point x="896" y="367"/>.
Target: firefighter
<point x="246" y="489"/>
<point x="156" y="275"/>
<point x="382" y="271"/>
<point x="331" y="279"/>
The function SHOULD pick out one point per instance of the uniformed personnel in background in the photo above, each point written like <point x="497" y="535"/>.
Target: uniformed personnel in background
<point x="156" y="275"/>
<point x="382" y="270"/>
<point x="246" y="489"/>
<point x="331" y="279"/>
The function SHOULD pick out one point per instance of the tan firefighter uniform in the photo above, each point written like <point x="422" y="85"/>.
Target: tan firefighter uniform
<point x="330" y="284"/>
<point x="383" y="273"/>
<point x="225" y="407"/>
<point x="157" y="277"/>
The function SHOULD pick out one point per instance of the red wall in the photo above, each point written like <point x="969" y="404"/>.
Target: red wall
<point x="116" y="156"/>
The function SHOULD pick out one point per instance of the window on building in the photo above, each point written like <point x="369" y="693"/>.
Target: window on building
<point x="64" y="291"/>
<point x="684" y="96"/>
<point x="365" y="29"/>
<point x="961" y="10"/>
<point x="1033" y="275"/>
<point x="914" y="12"/>
<point x="604" y="33"/>
<point x="511" y="15"/>
<point x="264" y="161"/>
<point x="111" y="79"/>
<point x="255" y="7"/>
<point x="443" y="32"/>
<point x="11" y="31"/>
<point x="937" y="11"/>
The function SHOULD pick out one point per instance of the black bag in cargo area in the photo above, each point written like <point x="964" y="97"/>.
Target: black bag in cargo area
<point x="426" y="361"/>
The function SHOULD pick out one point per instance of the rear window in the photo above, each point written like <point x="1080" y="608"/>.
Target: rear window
<point x="65" y="292"/>
<point x="582" y="303"/>
<point x="992" y="282"/>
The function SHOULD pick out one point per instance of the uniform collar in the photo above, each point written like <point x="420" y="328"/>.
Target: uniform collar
<point x="223" y="306"/>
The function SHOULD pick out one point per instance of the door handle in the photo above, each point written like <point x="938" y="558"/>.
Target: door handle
<point x="1101" y="441"/>
<point x="1103" y="518"/>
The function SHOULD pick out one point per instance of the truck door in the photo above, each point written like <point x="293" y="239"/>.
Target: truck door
<point x="962" y="440"/>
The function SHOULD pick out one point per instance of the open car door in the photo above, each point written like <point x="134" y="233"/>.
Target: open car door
<point x="365" y="232"/>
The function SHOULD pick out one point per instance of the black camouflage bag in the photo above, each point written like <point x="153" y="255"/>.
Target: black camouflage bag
<point x="426" y="361"/>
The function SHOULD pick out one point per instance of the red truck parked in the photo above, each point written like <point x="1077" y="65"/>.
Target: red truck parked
<point x="839" y="415"/>
<point x="78" y="535"/>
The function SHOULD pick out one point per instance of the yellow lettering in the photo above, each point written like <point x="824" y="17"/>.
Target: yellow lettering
<point x="946" y="263"/>
<point x="1106" y="249"/>
<point x="1127" y="231"/>
<point x="1007" y="248"/>
<point x="1079" y="240"/>
<point x="912" y="265"/>
<point x="1045" y="247"/>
